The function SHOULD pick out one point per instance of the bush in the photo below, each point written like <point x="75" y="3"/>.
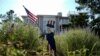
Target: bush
<point x="21" y="36"/>
<point x="76" y="40"/>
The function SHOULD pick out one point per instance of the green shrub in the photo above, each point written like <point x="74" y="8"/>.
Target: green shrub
<point x="11" y="51"/>
<point x="76" y="39"/>
<point x="21" y="36"/>
<point x="2" y="49"/>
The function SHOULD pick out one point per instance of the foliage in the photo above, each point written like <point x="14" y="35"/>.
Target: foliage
<point x="10" y="14"/>
<point x="80" y="20"/>
<point x="95" y="21"/>
<point x="77" y="41"/>
<point x="92" y="5"/>
<point x="1" y="15"/>
<point x="2" y="49"/>
<point x="11" y="51"/>
<point x="23" y="39"/>
<point x="95" y="25"/>
<point x="20" y="37"/>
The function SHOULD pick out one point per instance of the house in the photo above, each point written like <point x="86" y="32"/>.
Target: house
<point x="61" y="22"/>
<point x="0" y="24"/>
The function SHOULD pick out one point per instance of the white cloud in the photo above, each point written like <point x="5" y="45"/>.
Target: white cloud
<point x="40" y="6"/>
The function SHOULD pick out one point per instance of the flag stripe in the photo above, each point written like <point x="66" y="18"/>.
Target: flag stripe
<point x="32" y="20"/>
<point x="31" y="16"/>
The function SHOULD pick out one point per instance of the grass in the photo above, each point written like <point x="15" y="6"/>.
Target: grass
<point x="19" y="38"/>
<point x="77" y="41"/>
<point x="24" y="39"/>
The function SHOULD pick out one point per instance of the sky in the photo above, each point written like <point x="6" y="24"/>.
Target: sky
<point x="38" y="7"/>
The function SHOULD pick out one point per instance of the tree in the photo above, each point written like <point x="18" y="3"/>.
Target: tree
<point x="10" y="15"/>
<point x="80" y="20"/>
<point x="93" y="6"/>
<point x="2" y="16"/>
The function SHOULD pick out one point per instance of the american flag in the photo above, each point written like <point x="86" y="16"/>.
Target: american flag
<point x="31" y="16"/>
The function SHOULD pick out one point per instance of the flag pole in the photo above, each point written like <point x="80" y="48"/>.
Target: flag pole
<point x="34" y="20"/>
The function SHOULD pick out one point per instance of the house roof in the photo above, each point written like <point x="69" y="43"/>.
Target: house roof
<point x="64" y="17"/>
<point x="46" y="15"/>
<point x="24" y="16"/>
<point x="61" y="17"/>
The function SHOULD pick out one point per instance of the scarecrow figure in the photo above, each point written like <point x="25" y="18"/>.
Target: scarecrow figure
<point x="50" y="37"/>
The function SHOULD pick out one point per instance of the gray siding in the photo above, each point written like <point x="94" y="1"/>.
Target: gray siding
<point x="40" y="22"/>
<point x="43" y="19"/>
